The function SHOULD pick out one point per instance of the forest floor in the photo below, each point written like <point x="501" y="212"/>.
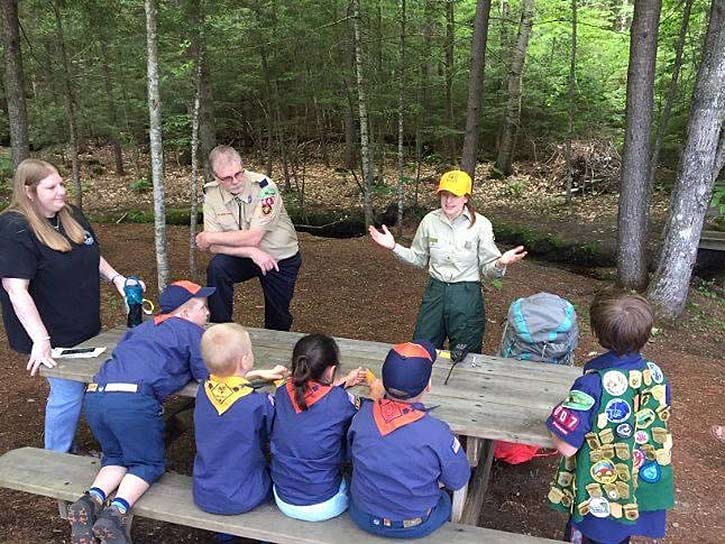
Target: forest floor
<point x="350" y="288"/>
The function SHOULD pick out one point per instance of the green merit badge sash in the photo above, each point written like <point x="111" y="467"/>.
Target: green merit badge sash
<point x="625" y="465"/>
<point x="224" y="392"/>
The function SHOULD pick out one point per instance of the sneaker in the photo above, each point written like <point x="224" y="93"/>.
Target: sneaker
<point x="82" y="516"/>
<point x="112" y="527"/>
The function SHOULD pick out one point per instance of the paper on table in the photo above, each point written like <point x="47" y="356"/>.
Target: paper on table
<point x="63" y="353"/>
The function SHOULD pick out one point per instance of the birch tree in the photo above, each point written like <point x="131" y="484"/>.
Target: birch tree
<point x="156" y="141"/>
<point x="699" y="167"/>
<point x="475" y="87"/>
<point x="14" y="84"/>
<point x="634" y="199"/>
<point x="512" y="117"/>
<point x="363" y="112"/>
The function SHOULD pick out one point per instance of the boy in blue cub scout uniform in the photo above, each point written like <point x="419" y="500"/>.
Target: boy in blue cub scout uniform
<point x="124" y="410"/>
<point x="615" y="479"/>
<point x="400" y="452"/>
<point x="232" y="423"/>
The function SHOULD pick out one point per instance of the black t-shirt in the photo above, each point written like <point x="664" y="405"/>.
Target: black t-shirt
<point x="64" y="286"/>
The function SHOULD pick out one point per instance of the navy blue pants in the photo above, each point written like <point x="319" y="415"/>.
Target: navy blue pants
<point x="279" y="287"/>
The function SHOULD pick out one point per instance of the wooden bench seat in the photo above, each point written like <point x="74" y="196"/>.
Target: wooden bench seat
<point x="66" y="477"/>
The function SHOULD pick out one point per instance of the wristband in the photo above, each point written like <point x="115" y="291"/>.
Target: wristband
<point x="117" y="274"/>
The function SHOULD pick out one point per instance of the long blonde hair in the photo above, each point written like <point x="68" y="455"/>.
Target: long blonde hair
<point x="27" y="176"/>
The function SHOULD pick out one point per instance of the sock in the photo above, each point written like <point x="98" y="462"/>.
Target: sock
<point x="97" y="494"/>
<point x="121" y="504"/>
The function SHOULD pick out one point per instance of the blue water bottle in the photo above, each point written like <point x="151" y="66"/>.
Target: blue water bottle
<point x="134" y="300"/>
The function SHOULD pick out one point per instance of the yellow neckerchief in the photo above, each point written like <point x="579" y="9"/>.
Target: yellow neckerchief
<point x="223" y="392"/>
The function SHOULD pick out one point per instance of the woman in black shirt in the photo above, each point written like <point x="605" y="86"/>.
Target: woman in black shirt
<point x="50" y="265"/>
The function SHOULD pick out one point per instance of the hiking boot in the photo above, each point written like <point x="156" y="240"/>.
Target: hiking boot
<point x="113" y="527"/>
<point x="81" y="516"/>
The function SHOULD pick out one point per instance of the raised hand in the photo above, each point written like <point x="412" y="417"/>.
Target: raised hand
<point x="512" y="256"/>
<point x="383" y="238"/>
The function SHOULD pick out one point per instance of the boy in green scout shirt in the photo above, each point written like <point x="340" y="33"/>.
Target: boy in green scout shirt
<point x="615" y="479"/>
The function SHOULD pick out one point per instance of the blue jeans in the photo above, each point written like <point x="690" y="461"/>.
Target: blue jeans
<point x="62" y="412"/>
<point x="440" y="514"/>
<point x="331" y="508"/>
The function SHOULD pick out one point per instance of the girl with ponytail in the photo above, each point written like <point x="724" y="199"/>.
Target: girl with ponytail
<point x="312" y="414"/>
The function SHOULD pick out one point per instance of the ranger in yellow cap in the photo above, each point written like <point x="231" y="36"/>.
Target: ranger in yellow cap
<point x="457" y="246"/>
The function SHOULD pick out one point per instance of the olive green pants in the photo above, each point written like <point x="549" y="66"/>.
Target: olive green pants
<point x="453" y="311"/>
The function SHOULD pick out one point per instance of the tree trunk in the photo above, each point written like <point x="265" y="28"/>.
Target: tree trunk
<point x="14" y="86"/>
<point x="401" y="115"/>
<point x="363" y="110"/>
<point x="572" y="85"/>
<point x="696" y="174"/>
<point x="475" y="87"/>
<point x="450" y="43"/>
<point x="193" y="216"/>
<point x="70" y="106"/>
<point x="156" y="141"/>
<point x="424" y="90"/>
<point x="671" y="92"/>
<point x="207" y="126"/>
<point x="511" y="121"/>
<point x="114" y="138"/>
<point x="624" y="15"/>
<point x="634" y="199"/>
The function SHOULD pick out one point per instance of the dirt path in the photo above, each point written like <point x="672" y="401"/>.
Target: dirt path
<point x="350" y="288"/>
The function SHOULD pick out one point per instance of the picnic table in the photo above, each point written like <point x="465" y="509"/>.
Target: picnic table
<point x="486" y="399"/>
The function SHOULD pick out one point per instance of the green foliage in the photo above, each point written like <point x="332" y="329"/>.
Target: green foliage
<point x="718" y="198"/>
<point x="139" y="186"/>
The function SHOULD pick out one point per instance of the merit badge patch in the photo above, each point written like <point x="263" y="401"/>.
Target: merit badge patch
<point x="564" y="420"/>
<point x="599" y="507"/>
<point x="603" y="471"/>
<point x="624" y="430"/>
<point x="615" y="382"/>
<point x="618" y="410"/>
<point x="638" y="458"/>
<point x="635" y="379"/>
<point x="655" y="371"/>
<point x="267" y="191"/>
<point x="650" y="472"/>
<point x="578" y="400"/>
<point x="456" y="446"/>
<point x="641" y="437"/>
<point x="645" y="418"/>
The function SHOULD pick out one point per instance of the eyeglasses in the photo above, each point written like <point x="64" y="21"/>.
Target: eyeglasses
<point x="230" y="179"/>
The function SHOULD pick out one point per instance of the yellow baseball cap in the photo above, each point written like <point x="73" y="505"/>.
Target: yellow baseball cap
<point x="457" y="182"/>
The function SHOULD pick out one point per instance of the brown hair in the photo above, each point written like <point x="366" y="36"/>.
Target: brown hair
<point x="220" y="151"/>
<point x="312" y="355"/>
<point x="622" y="322"/>
<point x="222" y="346"/>
<point x="472" y="211"/>
<point x="28" y="174"/>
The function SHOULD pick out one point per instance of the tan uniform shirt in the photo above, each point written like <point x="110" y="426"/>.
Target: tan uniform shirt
<point x="453" y="251"/>
<point x="259" y="205"/>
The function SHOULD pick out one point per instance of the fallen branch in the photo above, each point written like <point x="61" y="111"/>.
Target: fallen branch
<point x="318" y="226"/>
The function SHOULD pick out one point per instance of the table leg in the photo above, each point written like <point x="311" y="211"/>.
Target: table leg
<point x="459" y="501"/>
<point x="478" y="485"/>
<point x="473" y="453"/>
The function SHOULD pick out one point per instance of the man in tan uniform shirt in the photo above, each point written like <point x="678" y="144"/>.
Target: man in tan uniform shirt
<point x="247" y="228"/>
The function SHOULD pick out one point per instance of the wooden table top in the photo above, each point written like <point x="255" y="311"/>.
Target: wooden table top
<point x="486" y="397"/>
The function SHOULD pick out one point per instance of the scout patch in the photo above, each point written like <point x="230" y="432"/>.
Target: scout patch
<point x="606" y="436"/>
<point x="622" y="451"/>
<point x="565" y="479"/>
<point x="567" y="499"/>
<point x="555" y="495"/>
<point x="659" y="434"/>
<point x="614" y="382"/>
<point x="583" y="508"/>
<point x="650" y="472"/>
<point x="647" y="376"/>
<point x="618" y="410"/>
<point x="623" y="490"/>
<point x="635" y="379"/>
<point x="667" y="444"/>
<point x="631" y="511"/>
<point x="87" y="238"/>
<point x="645" y="418"/>
<point x="622" y="471"/>
<point x="578" y="400"/>
<point x="607" y="451"/>
<point x="638" y="459"/>
<point x="313" y="392"/>
<point x="664" y="412"/>
<point x="659" y="393"/>
<point x="663" y="457"/>
<point x="624" y="430"/>
<point x="616" y="510"/>
<point x="595" y="455"/>
<point x="603" y="471"/>
<point x="355" y="401"/>
<point x="610" y="490"/>
<point x="601" y="420"/>
<point x="564" y="420"/>
<point x="599" y="507"/>
<point x="570" y="462"/>
<point x="390" y="415"/>
<point x="266" y="189"/>
<point x="224" y="392"/>
<point x="641" y="437"/>
<point x="656" y="372"/>
<point x="649" y="451"/>
<point x="456" y="445"/>
<point x="267" y="205"/>
<point x="594" y="490"/>
<point x="593" y="440"/>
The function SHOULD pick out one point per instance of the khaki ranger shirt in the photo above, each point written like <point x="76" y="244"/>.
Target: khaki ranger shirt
<point x="453" y="251"/>
<point x="259" y="205"/>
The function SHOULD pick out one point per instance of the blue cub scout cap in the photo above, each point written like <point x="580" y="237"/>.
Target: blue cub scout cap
<point x="407" y="368"/>
<point x="181" y="292"/>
